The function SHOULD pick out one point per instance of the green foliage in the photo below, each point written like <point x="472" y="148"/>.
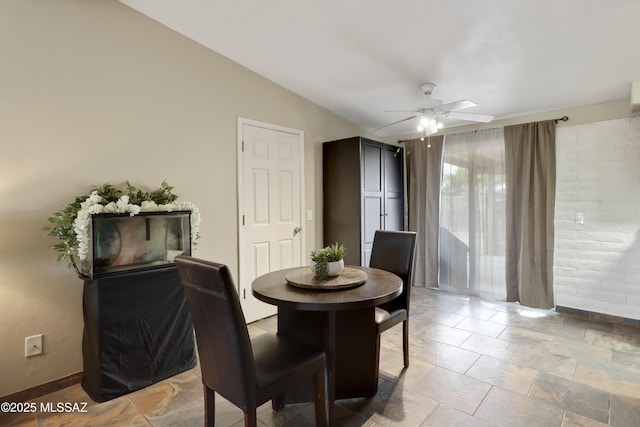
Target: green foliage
<point x="331" y="253"/>
<point x="161" y="196"/>
<point x="61" y="227"/>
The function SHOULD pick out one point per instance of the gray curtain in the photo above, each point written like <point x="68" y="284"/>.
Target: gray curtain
<point x="424" y="171"/>
<point x="530" y="169"/>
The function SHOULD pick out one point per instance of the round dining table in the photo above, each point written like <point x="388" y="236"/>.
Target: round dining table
<point x="341" y="321"/>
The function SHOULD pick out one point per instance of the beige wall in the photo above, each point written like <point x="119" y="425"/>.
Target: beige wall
<point x="93" y="92"/>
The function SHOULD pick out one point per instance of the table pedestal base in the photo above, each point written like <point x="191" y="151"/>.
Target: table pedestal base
<point x="348" y="338"/>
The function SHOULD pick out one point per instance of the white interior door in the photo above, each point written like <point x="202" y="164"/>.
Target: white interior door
<point x="270" y="173"/>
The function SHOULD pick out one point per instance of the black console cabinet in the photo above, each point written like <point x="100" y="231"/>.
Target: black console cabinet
<point x="363" y="191"/>
<point x="137" y="331"/>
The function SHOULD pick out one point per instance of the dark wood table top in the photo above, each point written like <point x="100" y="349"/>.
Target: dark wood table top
<point x="381" y="286"/>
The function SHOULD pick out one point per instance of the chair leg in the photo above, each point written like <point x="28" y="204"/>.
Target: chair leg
<point x="405" y="342"/>
<point x="250" y="418"/>
<point x="320" y="398"/>
<point x="209" y="406"/>
<point x="277" y="402"/>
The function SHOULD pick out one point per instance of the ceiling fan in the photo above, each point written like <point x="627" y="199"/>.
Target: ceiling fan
<point x="432" y="109"/>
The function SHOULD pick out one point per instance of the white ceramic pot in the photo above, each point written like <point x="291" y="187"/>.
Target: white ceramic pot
<point x="334" y="268"/>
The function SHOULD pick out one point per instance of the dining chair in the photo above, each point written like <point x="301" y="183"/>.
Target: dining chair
<point x="393" y="251"/>
<point x="246" y="371"/>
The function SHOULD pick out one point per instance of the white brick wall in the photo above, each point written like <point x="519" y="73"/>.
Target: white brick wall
<point x="597" y="265"/>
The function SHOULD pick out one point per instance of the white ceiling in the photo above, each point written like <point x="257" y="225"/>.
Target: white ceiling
<point x="359" y="58"/>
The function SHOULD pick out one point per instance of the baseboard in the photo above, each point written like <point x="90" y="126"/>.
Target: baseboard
<point x="42" y="389"/>
<point x="605" y="318"/>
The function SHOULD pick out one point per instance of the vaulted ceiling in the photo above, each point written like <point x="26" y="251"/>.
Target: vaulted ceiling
<point x="360" y="58"/>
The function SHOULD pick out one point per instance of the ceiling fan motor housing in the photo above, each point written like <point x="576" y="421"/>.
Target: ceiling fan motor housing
<point x="428" y="103"/>
<point x="428" y="88"/>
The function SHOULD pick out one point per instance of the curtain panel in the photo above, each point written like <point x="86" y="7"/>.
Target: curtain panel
<point x="424" y="171"/>
<point x="530" y="168"/>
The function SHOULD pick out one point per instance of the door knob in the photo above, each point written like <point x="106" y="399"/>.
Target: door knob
<point x="296" y="230"/>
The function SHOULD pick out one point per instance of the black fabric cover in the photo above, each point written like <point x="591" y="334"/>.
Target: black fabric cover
<point x="137" y="331"/>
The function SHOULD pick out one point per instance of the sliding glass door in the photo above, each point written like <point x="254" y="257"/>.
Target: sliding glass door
<point x="472" y="215"/>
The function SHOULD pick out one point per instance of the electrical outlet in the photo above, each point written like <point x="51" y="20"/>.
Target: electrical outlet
<point x="33" y="345"/>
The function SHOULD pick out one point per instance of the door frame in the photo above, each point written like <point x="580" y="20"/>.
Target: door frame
<point x="241" y="122"/>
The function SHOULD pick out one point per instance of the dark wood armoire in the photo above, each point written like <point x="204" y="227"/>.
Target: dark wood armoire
<point x="363" y="191"/>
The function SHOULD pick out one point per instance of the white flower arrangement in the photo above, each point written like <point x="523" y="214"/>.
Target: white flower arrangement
<point x="72" y="225"/>
<point x="93" y="206"/>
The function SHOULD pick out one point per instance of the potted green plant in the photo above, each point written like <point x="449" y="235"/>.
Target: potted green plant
<point x="328" y="261"/>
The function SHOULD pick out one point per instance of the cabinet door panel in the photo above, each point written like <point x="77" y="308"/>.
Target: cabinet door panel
<point x="395" y="217"/>
<point x="394" y="182"/>
<point x="393" y="190"/>
<point x="372" y="168"/>
<point x="372" y="222"/>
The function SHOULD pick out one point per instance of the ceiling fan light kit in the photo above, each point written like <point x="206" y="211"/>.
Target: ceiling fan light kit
<point x="431" y="109"/>
<point x="428" y="125"/>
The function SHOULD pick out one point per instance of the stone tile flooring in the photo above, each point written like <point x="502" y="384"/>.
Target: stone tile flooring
<point x="473" y="363"/>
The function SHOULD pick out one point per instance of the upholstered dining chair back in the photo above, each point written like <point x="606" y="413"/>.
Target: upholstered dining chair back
<point x="394" y="251"/>
<point x="223" y="340"/>
<point x="247" y="372"/>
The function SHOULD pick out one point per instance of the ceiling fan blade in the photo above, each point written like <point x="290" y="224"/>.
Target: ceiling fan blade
<point x="394" y="123"/>
<point x="468" y="116"/>
<point x="458" y="105"/>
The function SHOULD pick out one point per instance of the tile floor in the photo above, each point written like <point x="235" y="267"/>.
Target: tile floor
<point x="473" y="363"/>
